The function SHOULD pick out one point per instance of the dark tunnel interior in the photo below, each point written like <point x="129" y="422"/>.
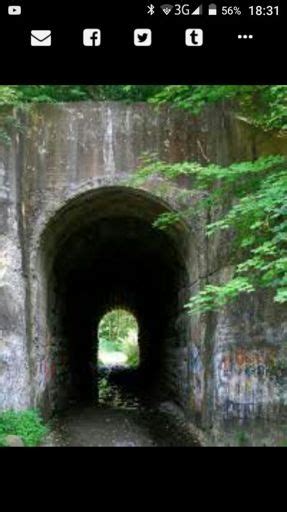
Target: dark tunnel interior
<point x="107" y="254"/>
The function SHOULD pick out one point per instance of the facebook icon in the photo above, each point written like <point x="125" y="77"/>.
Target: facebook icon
<point x="92" y="37"/>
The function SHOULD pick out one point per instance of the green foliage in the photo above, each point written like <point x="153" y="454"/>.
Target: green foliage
<point x="257" y="217"/>
<point x="19" y="94"/>
<point x="8" y="125"/>
<point x="118" y="332"/>
<point x="27" y="424"/>
<point x="131" y="350"/>
<point x="242" y="438"/>
<point x="104" y="389"/>
<point x="215" y="297"/>
<point x="196" y="97"/>
<point x="115" y="327"/>
<point x="8" y="95"/>
<point x="263" y="105"/>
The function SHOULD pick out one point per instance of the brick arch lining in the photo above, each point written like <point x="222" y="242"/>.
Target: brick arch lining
<point x="101" y="251"/>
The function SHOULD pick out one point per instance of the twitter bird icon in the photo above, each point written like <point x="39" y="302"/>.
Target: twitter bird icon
<point x="142" y="37"/>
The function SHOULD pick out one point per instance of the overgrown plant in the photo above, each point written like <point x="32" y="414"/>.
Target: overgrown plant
<point x="26" y="424"/>
<point x="265" y="105"/>
<point x="257" y="217"/>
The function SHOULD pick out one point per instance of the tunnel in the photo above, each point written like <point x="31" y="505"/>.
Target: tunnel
<point x="101" y="251"/>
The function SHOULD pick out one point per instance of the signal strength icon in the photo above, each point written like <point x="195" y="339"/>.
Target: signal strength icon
<point x="166" y="8"/>
<point x="198" y="11"/>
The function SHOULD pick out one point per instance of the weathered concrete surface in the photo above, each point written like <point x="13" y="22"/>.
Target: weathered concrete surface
<point x="14" y="371"/>
<point x="64" y="209"/>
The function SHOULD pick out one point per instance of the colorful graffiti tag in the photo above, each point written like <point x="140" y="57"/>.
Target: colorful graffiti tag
<point x="246" y="383"/>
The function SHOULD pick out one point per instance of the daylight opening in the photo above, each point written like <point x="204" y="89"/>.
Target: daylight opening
<point x="118" y="340"/>
<point x="112" y="292"/>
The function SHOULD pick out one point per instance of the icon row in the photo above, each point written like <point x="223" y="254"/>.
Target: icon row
<point x="93" y="37"/>
<point x="184" y="9"/>
<point x="16" y="10"/>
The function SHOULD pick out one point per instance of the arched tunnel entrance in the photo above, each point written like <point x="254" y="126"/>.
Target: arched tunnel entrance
<point x="100" y="252"/>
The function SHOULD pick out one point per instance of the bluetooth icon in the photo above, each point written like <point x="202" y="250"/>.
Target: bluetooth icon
<point x="151" y="9"/>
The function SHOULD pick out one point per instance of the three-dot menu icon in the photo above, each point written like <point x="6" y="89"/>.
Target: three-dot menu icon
<point x="245" y="36"/>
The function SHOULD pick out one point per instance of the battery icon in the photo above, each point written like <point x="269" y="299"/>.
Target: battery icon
<point x="212" y="10"/>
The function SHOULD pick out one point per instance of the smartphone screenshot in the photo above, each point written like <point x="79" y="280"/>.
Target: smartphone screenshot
<point x="143" y="224"/>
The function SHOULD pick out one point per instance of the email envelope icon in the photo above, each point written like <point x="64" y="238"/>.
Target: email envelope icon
<point x="41" y="37"/>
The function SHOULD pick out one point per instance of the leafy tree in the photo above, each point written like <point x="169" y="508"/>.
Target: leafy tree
<point x="263" y="105"/>
<point x="258" y="219"/>
<point x="258" y="215"/>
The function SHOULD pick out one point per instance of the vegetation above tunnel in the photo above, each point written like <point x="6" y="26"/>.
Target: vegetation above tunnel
<point x="258" y="219"/>
<point x="264" y="105"/>
<point x="259" y="215"/>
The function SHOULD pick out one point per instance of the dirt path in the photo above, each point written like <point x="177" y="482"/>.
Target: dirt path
<point x="107" y="427"/>
<point x="119" y="419"/>
<point x="91" y="426"/>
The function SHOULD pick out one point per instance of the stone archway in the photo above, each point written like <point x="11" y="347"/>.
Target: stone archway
<point x="61" y="177"/>
<point x="101" y="251"/>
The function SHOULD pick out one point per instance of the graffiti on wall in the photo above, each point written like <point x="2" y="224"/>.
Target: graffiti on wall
<point x="197" y="377"/>
<point x="247" y="382"/>
<point x="46" y="372"/>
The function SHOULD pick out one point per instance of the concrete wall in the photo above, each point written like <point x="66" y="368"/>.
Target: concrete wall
<point x="229" y="365"/>
<point x="14" y="367"/>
